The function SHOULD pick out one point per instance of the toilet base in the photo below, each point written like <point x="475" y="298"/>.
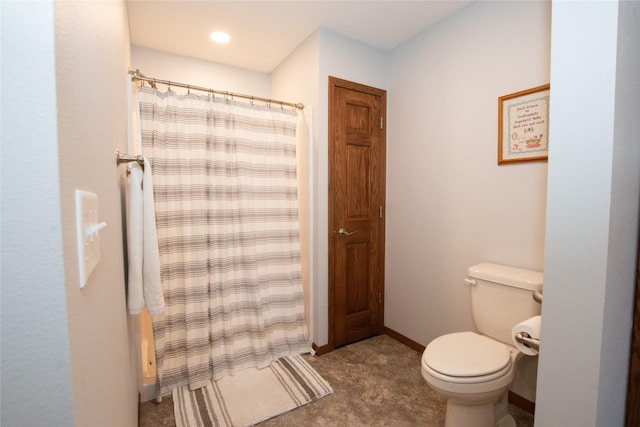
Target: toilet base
<point x="507" y="421"/>
<point x="459" y="415"/>
<point x="477" y="416"/>
<point x="490" y="414"/>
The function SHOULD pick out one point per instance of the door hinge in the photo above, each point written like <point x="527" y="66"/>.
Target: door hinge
<point x="380" y="212"/>
<point x="381" y="126"/>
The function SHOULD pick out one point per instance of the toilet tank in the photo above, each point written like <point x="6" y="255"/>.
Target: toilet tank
<point x="502" y="296"/>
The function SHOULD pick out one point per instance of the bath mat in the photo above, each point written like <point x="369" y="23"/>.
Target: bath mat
<point x="250" y="396"/>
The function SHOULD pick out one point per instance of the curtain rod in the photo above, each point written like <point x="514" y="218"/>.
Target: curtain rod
<point x="137" y="75"/>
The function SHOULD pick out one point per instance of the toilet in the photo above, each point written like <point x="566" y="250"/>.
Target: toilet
<point x="473" y="370"/>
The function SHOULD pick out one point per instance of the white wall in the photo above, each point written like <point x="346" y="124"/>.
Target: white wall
<point x="66" y="356"/>
<point x="92" y="58"/>
<point x="296" y="80"/>
<point x="35" y="368"/>
<point x="592" y="215"/>
<point x="167" y="66"/>
<point x="350" y="60"/>
<point x="304" y="76"/>
<point x="446" y="204"/>
<point x="449" y="205"/>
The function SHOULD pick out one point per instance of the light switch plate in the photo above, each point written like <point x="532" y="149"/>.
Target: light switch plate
<point x="88" y="233"/>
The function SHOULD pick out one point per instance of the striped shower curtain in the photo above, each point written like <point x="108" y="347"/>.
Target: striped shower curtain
<point x="225" y="193"/>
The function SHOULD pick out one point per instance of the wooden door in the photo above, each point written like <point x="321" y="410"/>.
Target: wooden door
<point x="356" y="211"/>
<point x="633" y="389"/>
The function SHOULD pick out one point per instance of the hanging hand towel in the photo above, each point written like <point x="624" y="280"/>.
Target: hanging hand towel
<point x="145" y="287"/>
<point x="153" y="294"/>
<point x="135" y="298"/>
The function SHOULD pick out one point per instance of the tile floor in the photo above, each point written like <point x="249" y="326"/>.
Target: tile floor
<point x="376" y="382"/>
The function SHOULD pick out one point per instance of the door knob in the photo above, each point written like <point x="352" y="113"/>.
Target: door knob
<point x="344" y="233"/>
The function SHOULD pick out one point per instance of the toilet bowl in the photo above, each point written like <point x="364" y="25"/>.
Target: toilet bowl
<point x="473" y="373"/>
<point x="473" y="370"/>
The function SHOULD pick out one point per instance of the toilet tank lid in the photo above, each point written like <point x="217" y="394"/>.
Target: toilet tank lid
<point x="506" y="275"/>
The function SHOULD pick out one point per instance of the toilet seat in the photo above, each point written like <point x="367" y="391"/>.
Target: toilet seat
<point x="466" y="357"/>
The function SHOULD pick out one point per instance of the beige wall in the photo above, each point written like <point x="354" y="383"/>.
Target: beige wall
<point x="92" y="58"/>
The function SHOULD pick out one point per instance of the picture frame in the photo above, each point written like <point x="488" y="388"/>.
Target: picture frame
<point x="523" y="126"/>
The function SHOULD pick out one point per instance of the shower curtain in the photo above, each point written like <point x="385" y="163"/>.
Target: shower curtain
<point x="228" y="233"/>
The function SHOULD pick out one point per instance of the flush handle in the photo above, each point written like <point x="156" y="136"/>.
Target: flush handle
<point x="537" y="296"/>
<point x="471" y="282"/>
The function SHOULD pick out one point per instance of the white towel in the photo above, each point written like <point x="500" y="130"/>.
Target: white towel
<point x="135" y="298"/>
<point x="145" y="287"/>
<point x="153" y="295"/>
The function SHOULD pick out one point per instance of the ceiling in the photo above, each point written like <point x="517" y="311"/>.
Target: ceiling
<point x="263" y="33"/>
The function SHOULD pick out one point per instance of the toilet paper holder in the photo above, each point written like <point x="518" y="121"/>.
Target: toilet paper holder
<point x="524" y="339"/>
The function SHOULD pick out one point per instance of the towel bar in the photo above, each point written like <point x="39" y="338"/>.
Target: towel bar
<point x="127" y="158"/>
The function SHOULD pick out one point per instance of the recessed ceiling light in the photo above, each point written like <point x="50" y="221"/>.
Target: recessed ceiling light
<point x="220" y="37"/>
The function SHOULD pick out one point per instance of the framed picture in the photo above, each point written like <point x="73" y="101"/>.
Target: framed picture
<point x="523" y="126"/>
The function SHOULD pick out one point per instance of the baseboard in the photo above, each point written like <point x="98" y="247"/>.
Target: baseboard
<point x="321" y="350"/>
<point x="404" y="340"/>
<point x="522" y="403"/>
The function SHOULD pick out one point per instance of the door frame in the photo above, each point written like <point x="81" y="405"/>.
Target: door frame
<point x="334" y="83"/>
<point x="632" y="409"/>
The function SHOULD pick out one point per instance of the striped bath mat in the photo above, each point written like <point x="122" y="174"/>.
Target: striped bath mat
<point x="250" y="396"/>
